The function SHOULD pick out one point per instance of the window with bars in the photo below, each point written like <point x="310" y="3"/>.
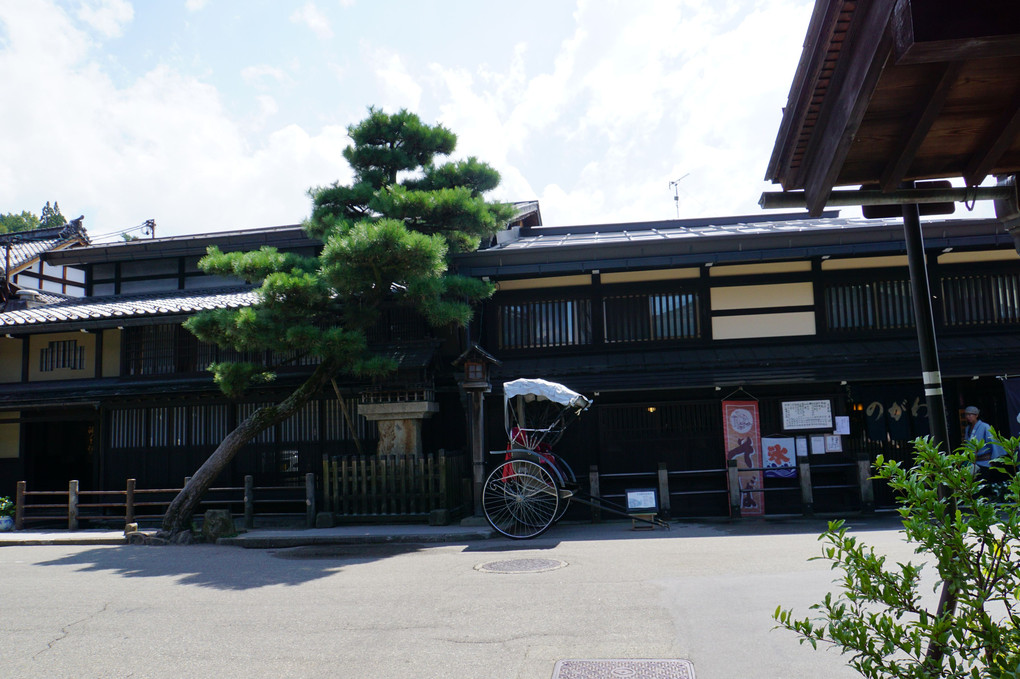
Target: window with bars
<point x="168" y="426"/>
<point x="152" y="350"/>
<point x="981" y="299"/>
<point x="870" y="305"/>
<point x="651" y="317"/>
<point x="545" y="323"/>
<point x="62" y="355"/>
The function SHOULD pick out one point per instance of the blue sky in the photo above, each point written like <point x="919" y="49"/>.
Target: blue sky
<point x="209" y="115"/>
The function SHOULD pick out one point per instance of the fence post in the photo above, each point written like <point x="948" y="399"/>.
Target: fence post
<point x="249" y="502"/>
<point x="864" y="477"/>
<point x="593" y="479"/>
<point x="310" y="500"/>
<point x="327" y="495"/>
<point x="129" y="502"/>
<point x="19" y="506"/>
<point x="72" y="504"/>
<point x="444" y="487"/>
<point x="733" y="481"/>
<point x="807" y="496"/>
<point x="664" y="504"/>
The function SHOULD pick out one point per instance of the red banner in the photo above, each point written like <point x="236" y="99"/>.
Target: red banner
<point x="743" y="444"/>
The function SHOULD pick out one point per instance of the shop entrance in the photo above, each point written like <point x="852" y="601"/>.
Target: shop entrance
<point x="58" y="448"/>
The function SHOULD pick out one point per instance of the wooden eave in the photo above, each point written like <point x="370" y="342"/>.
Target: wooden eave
<point x="889" y="91"/>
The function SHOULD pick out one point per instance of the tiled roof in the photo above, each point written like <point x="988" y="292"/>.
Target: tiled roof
<point x="24" y="253"/>
<point x="675" y="231"/>
<point x="128" y="306"/>
<point x="26" y="246"/>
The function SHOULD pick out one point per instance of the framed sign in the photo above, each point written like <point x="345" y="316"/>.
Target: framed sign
<point x="642" y="501"/>
<point x="815" y="415"/>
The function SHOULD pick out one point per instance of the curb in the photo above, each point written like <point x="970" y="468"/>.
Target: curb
<point x="63" y="541"/>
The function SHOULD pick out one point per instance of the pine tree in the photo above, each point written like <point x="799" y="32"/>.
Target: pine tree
<point x="51" y="216"/>
<point x="385" y="239"/>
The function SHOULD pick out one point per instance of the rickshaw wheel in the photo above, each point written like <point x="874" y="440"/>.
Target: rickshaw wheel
<point x="520" y="499"/>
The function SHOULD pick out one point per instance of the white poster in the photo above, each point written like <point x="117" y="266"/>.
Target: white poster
<point x="842" y="425"/>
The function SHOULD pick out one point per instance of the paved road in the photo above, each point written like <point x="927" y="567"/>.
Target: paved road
<point x="703" y="592"/>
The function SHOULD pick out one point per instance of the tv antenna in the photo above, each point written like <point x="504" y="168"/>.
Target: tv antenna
<point x="675" y="185"/>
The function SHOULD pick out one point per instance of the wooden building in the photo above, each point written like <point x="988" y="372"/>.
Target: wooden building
<point x="659" y="321"/>
<point x="663" y="321"/>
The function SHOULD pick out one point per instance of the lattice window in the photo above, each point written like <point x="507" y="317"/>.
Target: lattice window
<point x="127" y="428"/>
<point x="208" y="424"/>
<point x="651" y="317"/>
<point x="981" y="299"/>
<point x="546" y="323"/>
<point x="336" y="427"/>
<point x="302" y="425"/>
<point x="872" y="305"/>
<point x="62" y="355"/>
<point x="164" y="350"/>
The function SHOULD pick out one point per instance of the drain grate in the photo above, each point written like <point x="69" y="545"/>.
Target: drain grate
<point x="521" y="566"/>
<point x="622" y="668"/>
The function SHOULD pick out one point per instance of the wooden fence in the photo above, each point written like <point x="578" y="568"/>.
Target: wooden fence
<point x="138" y="504"/>
<point x="392" y="486"/>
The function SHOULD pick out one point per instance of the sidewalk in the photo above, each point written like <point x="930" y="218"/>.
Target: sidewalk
<point x="272" y="538"/>
<point x="282" y="538"/>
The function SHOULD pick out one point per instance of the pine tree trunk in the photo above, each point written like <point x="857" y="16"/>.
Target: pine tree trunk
<point x="178" y="515"/>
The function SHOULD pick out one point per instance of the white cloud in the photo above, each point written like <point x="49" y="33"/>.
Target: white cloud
<point x="594" y="118"/>
<point x="399" y="87"/>
<point x="313" y="18"/>
<point x="163" y="146"/>
<point x="262" y="75"/>
<point x="195" y="5"/>
<point x="106" y="16"/>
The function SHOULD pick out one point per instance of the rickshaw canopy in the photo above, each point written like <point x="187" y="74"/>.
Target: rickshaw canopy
<point x="542" y="390"/>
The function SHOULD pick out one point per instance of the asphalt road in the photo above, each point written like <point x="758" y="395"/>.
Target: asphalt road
<point x="701" y="592"/>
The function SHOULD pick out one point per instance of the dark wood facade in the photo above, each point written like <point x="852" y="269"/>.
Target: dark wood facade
<point x="659" y="322"/>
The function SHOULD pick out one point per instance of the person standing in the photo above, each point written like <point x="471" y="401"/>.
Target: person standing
<point x="980" y="430"/>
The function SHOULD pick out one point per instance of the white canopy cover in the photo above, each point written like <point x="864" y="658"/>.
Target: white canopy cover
<point x="538" y="390"/>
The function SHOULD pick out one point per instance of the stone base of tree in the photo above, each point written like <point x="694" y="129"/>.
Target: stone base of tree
<point x="218" y="523"/>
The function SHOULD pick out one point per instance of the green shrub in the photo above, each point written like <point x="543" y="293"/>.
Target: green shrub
<point x="971" y="535"/>
<point x="6" y="506"/>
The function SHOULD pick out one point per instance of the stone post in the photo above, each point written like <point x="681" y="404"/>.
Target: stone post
<point x="399" y="424"/>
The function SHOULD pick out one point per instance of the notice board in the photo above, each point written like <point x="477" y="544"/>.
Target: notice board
<point x="809" y="415"/>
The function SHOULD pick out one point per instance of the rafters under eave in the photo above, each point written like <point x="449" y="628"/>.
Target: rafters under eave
<point x="896" y="90"/>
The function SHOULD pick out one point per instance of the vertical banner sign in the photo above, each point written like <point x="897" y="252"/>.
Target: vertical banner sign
<point x="743" y="444"/>
<point x="1012" y="388"/>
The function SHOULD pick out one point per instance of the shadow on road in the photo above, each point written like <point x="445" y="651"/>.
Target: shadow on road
<point x="228" y="568"/>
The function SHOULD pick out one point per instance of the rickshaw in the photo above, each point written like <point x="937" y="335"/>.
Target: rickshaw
<point x="531" y="488"/>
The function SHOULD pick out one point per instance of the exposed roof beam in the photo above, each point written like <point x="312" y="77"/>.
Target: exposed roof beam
<point x="920" y="123"/>
<point x="825" y="19"/>
<point x="1003" y="135"/>
<point x="868" y="44"/>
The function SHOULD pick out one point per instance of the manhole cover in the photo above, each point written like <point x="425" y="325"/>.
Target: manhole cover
<point x="521" y="566"/>
<point x="614" y="669"/>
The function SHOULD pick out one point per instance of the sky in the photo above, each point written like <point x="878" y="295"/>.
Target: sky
<point x="212" y="115"/>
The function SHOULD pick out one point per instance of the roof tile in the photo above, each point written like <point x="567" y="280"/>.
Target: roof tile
<point x="129" y="306"/>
